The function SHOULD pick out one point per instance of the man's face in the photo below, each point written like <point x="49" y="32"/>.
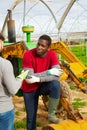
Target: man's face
<point x="1" y="45"/>
<point x="42" y="47"/>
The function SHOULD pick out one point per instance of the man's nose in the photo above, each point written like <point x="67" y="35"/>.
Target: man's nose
<point x="39" y="46"/>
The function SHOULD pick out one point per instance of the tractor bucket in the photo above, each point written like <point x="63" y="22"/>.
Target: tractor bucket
<point x="67" y="125"/>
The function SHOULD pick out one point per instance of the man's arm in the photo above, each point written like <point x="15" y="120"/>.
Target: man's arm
<point x="44" y="76"/>
<point x="41" y="74"/>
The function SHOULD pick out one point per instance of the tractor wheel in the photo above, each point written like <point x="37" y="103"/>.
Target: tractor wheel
<point x="65" y="90"/>
<point x="65" y="93"/>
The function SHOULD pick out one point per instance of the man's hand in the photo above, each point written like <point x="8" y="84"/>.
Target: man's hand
<point x="55" y="71"/>
<point x="32" y="79"/>
<point x="23" y="75"/>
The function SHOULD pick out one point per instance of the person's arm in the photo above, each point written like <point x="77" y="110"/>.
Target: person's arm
<point x="44" y="76"/>
<point x="11" y="83"/>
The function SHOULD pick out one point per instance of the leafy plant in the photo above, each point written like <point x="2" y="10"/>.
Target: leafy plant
<point x="80" y="52"/>
<point x="22" y="124"/>
<point x="84" y="112"/>
<point x="19" y="124"/>
<point x="24" y="108"/>
<point x="72" y="87"/>
<point x="83" y="79"/>
<point x="17" y="113"/>
<point x="78" y="103"/>
<point x="38" y="124"/>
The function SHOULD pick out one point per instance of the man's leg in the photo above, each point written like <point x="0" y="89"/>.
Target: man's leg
<point x="53" y="90"/>
<point x="31" y="103"/>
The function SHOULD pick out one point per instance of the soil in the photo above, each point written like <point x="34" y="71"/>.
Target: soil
<point x="42" y="114"/>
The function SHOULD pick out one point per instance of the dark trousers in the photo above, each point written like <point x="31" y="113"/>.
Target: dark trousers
<point x="51" y="88"/>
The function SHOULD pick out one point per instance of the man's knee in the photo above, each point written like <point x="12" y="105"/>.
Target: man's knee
<point x="55" y="89"/>
<point x="56" y="85"/>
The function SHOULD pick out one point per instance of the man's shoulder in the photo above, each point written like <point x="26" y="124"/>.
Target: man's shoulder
<point x="51" y="52"/>
<point x="4" y="62"/>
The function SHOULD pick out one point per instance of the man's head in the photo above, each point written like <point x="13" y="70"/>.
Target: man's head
<point x="1" y="41"/>
<point x="43" y="45"/>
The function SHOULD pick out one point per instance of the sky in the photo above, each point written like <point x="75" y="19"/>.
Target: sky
<point x="38" y="15"/>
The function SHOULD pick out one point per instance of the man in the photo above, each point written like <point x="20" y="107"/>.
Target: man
<point x="44" y="72"/>
<point x="9" y="85"/>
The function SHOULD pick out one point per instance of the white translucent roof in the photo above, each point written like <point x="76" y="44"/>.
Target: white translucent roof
<point x="47" y="16"/>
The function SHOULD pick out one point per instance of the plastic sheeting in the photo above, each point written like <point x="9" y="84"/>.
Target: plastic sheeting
<point x="47" y="16"/>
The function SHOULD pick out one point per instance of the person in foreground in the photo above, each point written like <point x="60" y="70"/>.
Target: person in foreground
<point x="44" y="72"/>
<point x="9" y="85"/>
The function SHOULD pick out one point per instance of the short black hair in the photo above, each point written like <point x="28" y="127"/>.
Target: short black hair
<point x="2" y="37"/>
<point x="46" y="37"/>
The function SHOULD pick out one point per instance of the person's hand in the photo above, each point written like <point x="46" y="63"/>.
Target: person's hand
<point x="32" y="79"/>
<point x="55" y="71"/>
<point x="23" y="75"/>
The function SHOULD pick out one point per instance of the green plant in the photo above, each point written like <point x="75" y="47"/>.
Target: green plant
<point x="83" y="79"/>
<point x="80" y="53"/>
<point x="72" y="87"/>
<point x="22" y="124"/>
<point x="38" y="124"/>
<point x="78" y="103"/>
<point x="24" y="108"/>
<point x="84" y="112"/>
<point x="17" y="113"/>
<point x="19" y="124"/>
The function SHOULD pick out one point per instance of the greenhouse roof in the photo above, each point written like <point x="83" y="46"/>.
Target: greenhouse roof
<point x="53" y="17"/>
